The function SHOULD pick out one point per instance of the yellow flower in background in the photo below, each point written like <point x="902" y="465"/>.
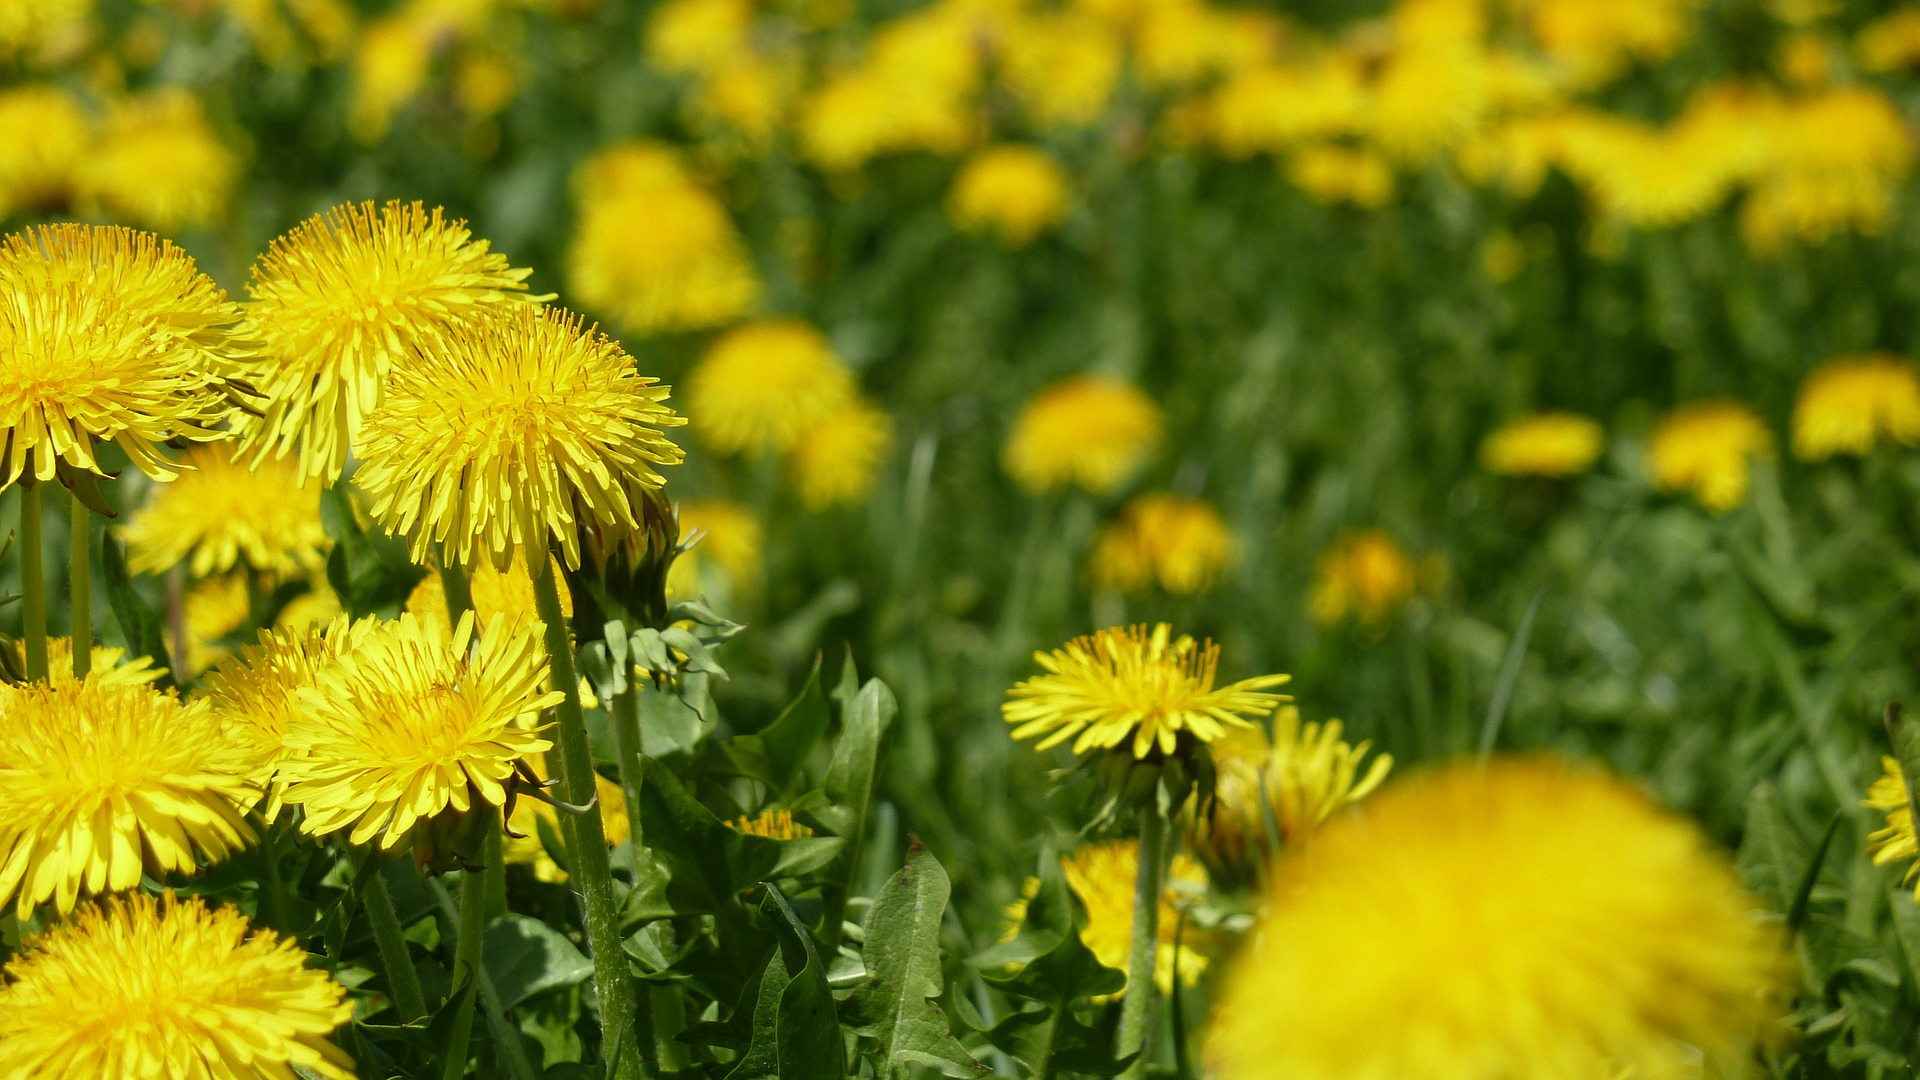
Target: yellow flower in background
<point x="255" y="695"/>
<point x="106" y="780"/>
<point x="1013" y="192"/>
<point x="46" y="134"/>
<point x="1269" y="108"/>
<point x="27" y="24"/>
<point x="1849" y="403"/>
<point x="1707" y="449"/>
<point x="1544" y="444"/>
<point x="311" y="609"/>
<point x="1595" y="39"/>
<point x="110" y="666"/>
<point x="414" y="721"/>
<point x="912" y="91"/>
<point x="1339" y="174"/>
<point x="1131" y="685"/>
<point x="1103" y="876"/>
<point x="391" y="63"/>
<point x="1806" y="60"/>
<point x="108" y="335"/>
<point x="750" y="95"/>
<point x="139" y="987"/>
<point x="726" y="536"/>
<point x="1612" y="940"/>
<point x="1435" y="84"/>
<point x="220" y="514"/>
<point x="766" y="384"/>
<point x="290" y="33"/>
<point x="1365" y="577"/>
<point x="1182" y="42"/>
<point x="837" y="460"/>
<point x="1303" y="776"/>
<point x="507" y="593"/>
<point x="1835" y="160"/>
<point x="1174" y="541"/>
<point x="1891" y="42"/>
<point x="505" y="437"/>
<point x="1659" y="176"/>
<point x="686" y="37"/>
<point x="1090" y="430"/>
<point x="215" y="609"/>
<point x="522" y="844"/>
<point x="158" y="164"/>
<point x="771" y="824"/>
<point x="1895" y="842"/>
<point x="1062" y="67"/>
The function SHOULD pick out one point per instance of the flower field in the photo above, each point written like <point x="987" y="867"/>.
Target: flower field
<point x="1309" y="539"/>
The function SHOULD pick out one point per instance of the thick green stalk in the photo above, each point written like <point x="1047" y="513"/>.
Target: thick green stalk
<point x="1137" y="1006"/>
<point x="33" y="582"/>
<point x="466" y="949"/>
<point x="571" y="760"/>
<point x="408" y="1000"/>
<point x="505" y="1035"/>
<point x="80" y="588"/>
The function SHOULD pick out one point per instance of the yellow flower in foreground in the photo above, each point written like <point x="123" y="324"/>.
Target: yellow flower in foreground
<point x="1014" y="192"/>
<point x="105" y="781"/>
<point x="1363" y="576"/>
<point x="256" y="694"/>
<point x="345" y="295"/>
<point x="108" y="335"/>
<point x="1102" y="876"/>
<point x="764" y="385"/>
<point x="1175" y="541"/>
<point x="1544" y="444"/>
<point x="45" y="132"/>
<point x="507" y="436"/>
<point x="142" y="988"/>
<point x="1707" y="449"/>
<point x="1850" y="403"/>
<point x="838" y="460"/>
<point x="157" y="163"/>
<point x="1895" y="842"/>
<point x="772" y="824"/>
<point x="1125" y="684"/>
<point x="1582" y="931"/>
<point x="1089" y="429"/>
<point x="526" y="848"/>
<point x="411" y="722"/>
<point x="221" y="514"/>
<point x="1303" y="776"/>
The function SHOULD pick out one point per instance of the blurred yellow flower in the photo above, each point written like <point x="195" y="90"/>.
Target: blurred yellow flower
<point x="1012" y="192"/>
<point x="725" y="535"/>
<point x="1435" y="84"/>
<point x="396" y="55"/>
<point x="1612" y="940"/>
<point x="1891" y="42"/>
<point x="110" y="666"/>
<point x="1595" y="39"/>
<point x="1849" y="403"/>
<point x="1340" y="174"/>
<point x="772" y="824"/>
<point x="1268" y="108"/>
<point x="751" y="95"/>
<point x="837" y="460"/>
<point x="220" y="514"/>
<point x="1062" y="67"/>
<point x="1174" y="541"/>
<point x="507" y="592"/>
<point x="765" y="385"/>
<point x="158" y="164"/>
<point x="46" y="134"/>
<point x="522" y="844"/>
<point x="215" y="609"/>
<point x="1090" y="430"/>
<point x="1103" y="876"/>
<point x="1544" y="444"/>
<point x="1706" y="448"/>
<point x="1364" y="577"/>
<point x="27" y="24"/>
<point x="686" y="37"/>
<point x="1896" y="841"/>
<point x="912" y="91"/>
<point x="1183" y="41"/>
<point x="1834" y="162"/>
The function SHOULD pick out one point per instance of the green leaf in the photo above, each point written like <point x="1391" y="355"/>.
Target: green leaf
<point x="138" y="624"/>
<point x="369" y="570"/>
<point x="527" y="958"/>
<point x="1803" y="895"/>
<point x="1772" y="855"/>
<point x="761" y="1061"/>
<point x="856" y="761"/>
<point x="775" y="753"/>
<point x="807" y="1028"/>
<point x="1906" y="930"/>
<point x="895" y="1004"/>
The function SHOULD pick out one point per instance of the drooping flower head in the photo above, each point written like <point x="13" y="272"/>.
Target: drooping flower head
<point x="1544" y="444"/>
<point x="142" y="988"/>
<point x="1896" y="841"/>
<point x="1103" y="876"/>
<point x="837" y="460"/>
<point x="1134" y="685"/>
<point x="158" y="163"/>
<point x="411" y="722"/>
<point x="109" y="335"/>
<point x="105" y="779"/>
<point x="255" y="694"/>
<point x="1852" y="402"/>
<point x="1089" y="430"/>
<point x="223" y="515"/>
<point x="505" y="437"/>
<point x="1175" y="541"/>
<point x="1582" y="931"/>
<point x="1012" y="192"/>
<point x="341" y="299"/>
<point x="46" y="134"/>
<point x="1707" y="449"/>
<point x="1363" y="576"/>
<point x="1305" y="774"/>
<point x="764" y="385"/>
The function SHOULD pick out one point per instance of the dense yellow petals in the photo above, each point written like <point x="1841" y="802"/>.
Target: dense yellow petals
<point x="255" y="695"/>
<point x="221" y="514"/>
<point x="1174" y="541"/>
<point x="1707" y="449"/>
<point x="1895" y="841"/>
<point x="1305" y="774"/>
<point x="1544" y="444"/>
<point x="1089" y="430"/>
<point x="1850" y="403"/>
<point x="765" y="385"/>
<point x="1103" y="877"/>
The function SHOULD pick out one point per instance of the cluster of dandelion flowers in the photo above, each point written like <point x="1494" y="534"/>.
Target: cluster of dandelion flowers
<point x="1850" y="403"/>
<point x="1134" y="685"/>
<point x="1103" y="876"/>
<point x="1896" y="841"/>
<point x="1552" y="444"/>
<point x="341" y="299"/>
<point x="500" y="435"/>
<point x="413" y="721"/>
<point x="109" y="335"/>
<point x="144" y="988"/>
<point x="1581" y="930"/>
<point x="766" y="385"/>
<point x="1707" y="449"/>
<point x="1363" y="576"/>
<point x="220" y="514"/>
<point x="1175" y="541"/>
<point x="1090" y="430"/>
<point x="106" y="779"/>
<point x="1014" y="193"/>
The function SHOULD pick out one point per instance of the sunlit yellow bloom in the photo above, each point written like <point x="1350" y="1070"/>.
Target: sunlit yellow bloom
<point x="291" y="32"/>
<point x="1891" y="42"/>
<point x="27" y="24"/>
<point x="1612" y="941"/>
<point x="158" y="164"/>
<point x="45" y="132"/>
<point x="1657" y="177"/>
<point x="1133" y="684"/>
<point x="1174" y="541"/>
<point x="1102" y="876"/>
<point x="506" y="436"/>
<point x="764" y="385"/>
<point x="837" y="460"/>
<point x="108" y="335"/>
<point x="523" y="844"/>
<point x="1706" y="448"/>
<point x="1340" y="174"/>
<point x="1268" y="108"/>
<point x="106" y="780"/>
<point x="772" y="824"/>
<point x="411" y="722"/>
<point x="1544" y="444"/>
<point x="690" y="36"/>
<point x="255" y="695"/>
<point x="1062" y="67"/>
<point x="390" y="66"/>
<point x="141" y="989"/>
<point x="1835" y="160"/>
<point x="1849" y="403"/>
<point x="726" y="535"/>
<point x="1895" y="842"/>
<point x="110" y="666"/>
<point x="220" y="514"/>
<point x="1090" y="430"/>
<point x="1363" y="576"/>
<point x="1595" y="39"/>
<point x="1302" y="777"/>
<point x="1014" y="192"/>
<point x="1435" y="84"/>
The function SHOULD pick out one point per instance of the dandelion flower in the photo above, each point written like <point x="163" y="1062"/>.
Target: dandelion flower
<point x="1544" y="444"/>
<point x="1895" y="842"/>
<point x="772" y="824"/>
<point x="1706" y="448"/>
<point x="343" y="297"/>
<point x="1583" y="931"/>
<point x="1891" y="42"/>
<point x="507" y="593"/>
<point x="1363" y="576"/>
<point x="106" y="780"/>
<point x="158" y="164"/>
<point x="1013" y="192"/>
<point x="256" y="694"/>
<point x="1339" y="174"/>
<point x="413" y="721"/>
<point x="1089" y="430"/>
<point x="838" y="460"/>
<point x="685" y="37"/>
<point x="46" y="134"/>
<point x="1834" y="162"/>
<point x="1062" y="67"/>
<point x="765" y="385"/>
<point x="108" y="335"/>
<point x="1103" y="877"/>
<point x="1303" y="776"/>
<point x="221" y="514"/>
<point x="27" y="24"/>
<point x="1593" y="39"/>
<point x="1149" y="687"/>
<point x="525" y="848"/>
<point x="1174" y="541"/>
<point x="1850" y="403"/>
<point x="110" y="666"/>
<point x="725" y="535"/>
<point x="144" y="988"/>
<point x="501" y="437"/>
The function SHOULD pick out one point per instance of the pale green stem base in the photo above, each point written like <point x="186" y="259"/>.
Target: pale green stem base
<point x="80" y="588"/>
<point x="402" y="980"/>
<point x="466" y="950"/>
<point x="1137" y="1007"/>
<point x="33" y="583"/>
<point x="505" y="1034"/>
<point x="624" y="714"/>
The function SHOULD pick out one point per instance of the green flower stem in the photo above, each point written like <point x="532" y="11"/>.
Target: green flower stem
<point x="624" y="713"/>
<point x="459" y="591"/>
<point x="33" y="582"/>
<point x="571" y="760"/>
<point x="466" y="950"/>
<point x="505" y="1035"/>
<point x="274" y="891"/>
<point x="1136" y="1007"/>
<point x="80" y="587"/>
<point x="402" y="980"/>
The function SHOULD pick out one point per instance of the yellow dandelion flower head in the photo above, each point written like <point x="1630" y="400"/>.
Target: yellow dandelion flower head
<point x="1102" y="876"/>
<point x="772" y="824"/>
<point x="1134" y="684"/>
<point x="1851" y="402"/>
<point x="221" y="514"/>
<point x="506" y="437"/>
<point x="110" y="666"/>
<point x="1612" y="941"/>
<point x="764" y="385"/>
<point x="1544" y="444"/>
<point x="690" y="36"/>
<point x="847" y="121"/>
<point x="652" y="250"/>
<point x="1706" y="448"/>
<point x="1363" y="576"/>
<point x="523" y="846"/>
<point x="913" y="90"/>
<point x="1427" y="100"/>
<point x="108" y="335"/>
<point x="1013" y="192"/>
<point x="1891" y="42"/>
<point x="25" y="25"/>
<point x="1311" y="772"/>
<point x="413" y="721"/>
<point x="1181" y="43"/>
<point x="1090" y="430"/>
<point x="46" y="132"/>
<point x="216" y="609"/>
<point x="750" y="96"/>
<point x="106" y="780"/>
<point x="1063" y="67"/>
<point x="1835" y="159"/>
<point x="1896" y="841"/>
<point x="1268" y="108"/>
<point x="1341" y="174"/>
<point x="1806" y="60"/>
<point x="256" y="694"/>
<point x="837" y="460"/>
<point x="313" y="608"/>
<point x="1175" y="541"/>
<point x="1239" y="801"/>
<point x="298" y="33"/>
<point x="1595" y="39"/>
<point x="345" y="295"/>
<point x="391" y="64"/>
<point x="158" y="163"/>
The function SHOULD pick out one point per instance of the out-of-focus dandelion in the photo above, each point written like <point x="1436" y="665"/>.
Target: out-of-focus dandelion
<point x="158" y="163"/>
<point x="1341" y="174"/>
<point x="1103" y="876"/>
<point x="1552" y="444"/>
<point x="109" y="666"/>
<point x="507" y="593"/>
<point x="1707" y="449"/>
<point x="1062" y="67"/>
<point x="1089" y="430"/>
<point x="1304" y="775"/>
<point x="765" y="385"/>
<point x="729" y="539"/>
<point x="1364" y="576"/>
<point x="837" y="460"/>
<point x="26" y="25"/>
<point x="1593" y="40"/>
<point x="686" y="37"/>
<point x="1174" y="541"/>
<point x="1891" y="42"/>
<point x="46" y="133"/>
<point x="216" y="609"/>
<point x="1013" y="192"/>
<point x="1849" y="403"/>
<point x="220" y="514"/>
